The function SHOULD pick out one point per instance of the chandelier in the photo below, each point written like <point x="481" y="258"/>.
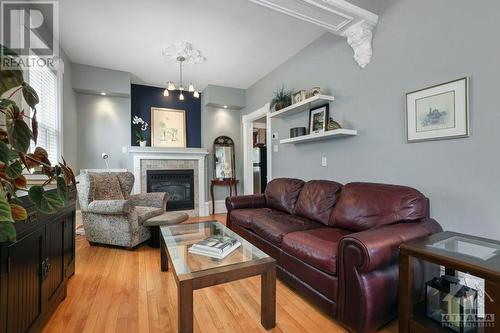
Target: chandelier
<point x="183" y="53"/>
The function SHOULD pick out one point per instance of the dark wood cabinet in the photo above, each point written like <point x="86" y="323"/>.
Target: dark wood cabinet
<point x="34" y="270"/>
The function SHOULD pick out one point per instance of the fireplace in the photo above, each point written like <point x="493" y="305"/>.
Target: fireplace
<point x="179" y="184"/>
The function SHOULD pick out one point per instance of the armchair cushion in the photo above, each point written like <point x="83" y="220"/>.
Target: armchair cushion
<point x="110" y="207"/>
<point x="152" y="199"/>
<point x="316" y="247"/>
<point x="107" y="187"/>
<point x="145" y="213"/>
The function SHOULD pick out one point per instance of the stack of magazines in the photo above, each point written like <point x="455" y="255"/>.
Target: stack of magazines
<point x="216" y="246"/>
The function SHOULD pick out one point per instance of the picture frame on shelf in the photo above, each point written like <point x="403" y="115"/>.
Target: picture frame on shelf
<point x="168" y="128"/>
<point x="299" y="96"/>
<point x="318" y="118"/>
<point x="314" y="91"/>
<point x="438" y="112"/>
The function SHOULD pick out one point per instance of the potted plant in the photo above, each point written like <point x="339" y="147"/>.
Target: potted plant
<point x="15" y="159"/>
<point x="281" y="99"/>
<point x="140" y="133"/>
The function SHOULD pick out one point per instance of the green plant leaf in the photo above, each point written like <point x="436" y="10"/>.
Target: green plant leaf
<point x="30" y="95"/>
<point x="5" y="153"/>
<point x="5" y="102"/>
<point x="12" y="77"/>
<point x="46" y="202"/>
<point x="61" y="186"/>
<point x="14" y="170"/>
<point x="18" y="131"/>
<point x="7" y="232"/>
<point x="5" y="212"/>
<point x="5" y="51"/>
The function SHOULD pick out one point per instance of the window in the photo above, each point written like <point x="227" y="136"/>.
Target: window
<point x="45" y="82"/>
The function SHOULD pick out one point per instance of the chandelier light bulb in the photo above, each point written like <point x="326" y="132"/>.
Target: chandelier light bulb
<point x="181" y="96"/>
<point x="166" y="93"/>
<point x="191" y="87"/>
<point x="196" y="94"/>
<point x="171" y="86"/>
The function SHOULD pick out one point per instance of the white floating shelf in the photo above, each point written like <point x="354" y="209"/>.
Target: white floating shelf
<point x="305" y="105"/>
<point x="338" y="133"/>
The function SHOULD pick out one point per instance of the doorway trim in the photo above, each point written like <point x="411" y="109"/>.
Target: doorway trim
<point x="247" y="123"/>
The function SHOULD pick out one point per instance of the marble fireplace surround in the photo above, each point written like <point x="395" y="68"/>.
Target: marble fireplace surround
<point x="155" y="158"/>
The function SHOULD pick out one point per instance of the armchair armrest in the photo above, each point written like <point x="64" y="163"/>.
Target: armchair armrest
<point x="110" y="207"/>
<point x="152" y="199"/>
<point x="372" y="249"/>
<point x="246" y="201"/>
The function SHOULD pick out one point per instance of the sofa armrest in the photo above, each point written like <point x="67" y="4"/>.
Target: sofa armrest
<point x="246" y="201"/>
<point x="372" y="249"/>
<point x="110" y="207"/>
<point x="152" y="199"/>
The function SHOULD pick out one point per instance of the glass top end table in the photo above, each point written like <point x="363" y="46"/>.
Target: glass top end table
<point x="192" y="271"/>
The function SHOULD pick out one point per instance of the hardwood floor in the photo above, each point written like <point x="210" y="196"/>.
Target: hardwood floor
<point x="117" y="290"/>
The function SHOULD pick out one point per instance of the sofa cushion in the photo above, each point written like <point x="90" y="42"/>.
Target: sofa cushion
<point x="274" y="225"/>
<point x="243" y="217"/>
<point x="282" y="193"/>
<point x="145" y="213"/>
<point x="363" y="206"/>
<point x="106" y="187"/>
<point x="317" y="247"/>
<point x="316" y="200"/>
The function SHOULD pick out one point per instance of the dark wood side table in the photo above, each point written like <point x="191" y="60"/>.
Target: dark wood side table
<point x="223" y="182"/>
<point x="456" y="252"/>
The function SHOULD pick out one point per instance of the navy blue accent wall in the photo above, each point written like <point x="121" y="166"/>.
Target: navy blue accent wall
<point x="145" y="97"/>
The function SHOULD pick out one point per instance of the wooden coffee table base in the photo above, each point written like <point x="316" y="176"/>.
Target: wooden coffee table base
<point x="187" y="283"/>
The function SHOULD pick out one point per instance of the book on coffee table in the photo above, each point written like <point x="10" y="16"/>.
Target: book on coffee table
<point x="216" y="246"/>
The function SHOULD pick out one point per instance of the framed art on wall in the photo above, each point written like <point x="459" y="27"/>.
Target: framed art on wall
<point x="318" y="118"/>
<point x="438" y="112"/>
<point x="168" y="128"/>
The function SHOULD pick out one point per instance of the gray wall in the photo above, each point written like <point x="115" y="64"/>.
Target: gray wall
<point x="103" y="121"/>
<point x="103" y="127"/>
<point x="417" y="44"/>
<point x="216" y="122"/>
<point x="69" y="116"/>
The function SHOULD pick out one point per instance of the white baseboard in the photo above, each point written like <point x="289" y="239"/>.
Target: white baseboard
<point x="220" y="207"/>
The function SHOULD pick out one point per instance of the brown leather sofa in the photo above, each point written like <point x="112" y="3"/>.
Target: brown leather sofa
<point x="337" y="244"/>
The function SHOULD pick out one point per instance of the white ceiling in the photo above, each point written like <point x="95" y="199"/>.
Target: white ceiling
<point x="241" y="40"/>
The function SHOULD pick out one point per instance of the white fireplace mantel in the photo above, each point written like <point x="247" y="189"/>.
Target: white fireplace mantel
<point x="157" y="153"/>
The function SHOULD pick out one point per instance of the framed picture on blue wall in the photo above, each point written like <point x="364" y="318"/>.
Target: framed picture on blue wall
<point x="168" y="128"/>
<point x="438" y="112"/>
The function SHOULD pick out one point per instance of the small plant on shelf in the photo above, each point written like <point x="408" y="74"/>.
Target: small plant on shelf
<point x="140" y="134"/>
<point x="16" y="160"/>
<point x="281" y="99"/>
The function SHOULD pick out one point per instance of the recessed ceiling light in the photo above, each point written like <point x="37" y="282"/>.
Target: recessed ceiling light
<point x="103" y="93"/>
<point x="225" y="106"/>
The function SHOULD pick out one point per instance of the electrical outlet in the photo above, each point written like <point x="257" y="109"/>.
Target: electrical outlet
<point x="275" y="148"/>
<point x="323" y="161"/>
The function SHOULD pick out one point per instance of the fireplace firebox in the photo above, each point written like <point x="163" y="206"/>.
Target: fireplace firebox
<point x="179" y="184"/>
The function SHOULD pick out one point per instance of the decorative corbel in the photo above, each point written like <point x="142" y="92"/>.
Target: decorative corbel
<point x="359" y="37"/>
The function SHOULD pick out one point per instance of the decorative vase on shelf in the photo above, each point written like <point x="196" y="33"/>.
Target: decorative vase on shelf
<point x="142" y="143"/>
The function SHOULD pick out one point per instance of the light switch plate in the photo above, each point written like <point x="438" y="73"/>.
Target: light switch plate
<point x="323" y="161"/>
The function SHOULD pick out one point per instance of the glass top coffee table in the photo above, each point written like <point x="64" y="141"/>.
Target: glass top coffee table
<point x="192" y="271"/>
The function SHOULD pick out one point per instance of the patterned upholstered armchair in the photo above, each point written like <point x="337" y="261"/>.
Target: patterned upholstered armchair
<point x="111" y="215"/>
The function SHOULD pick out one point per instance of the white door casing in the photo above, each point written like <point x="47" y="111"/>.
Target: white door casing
<point x="247" y="123"/>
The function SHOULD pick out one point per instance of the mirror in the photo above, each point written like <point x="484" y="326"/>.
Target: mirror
<point x="224" y="158"/>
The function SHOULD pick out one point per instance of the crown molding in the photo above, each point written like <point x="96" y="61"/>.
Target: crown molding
<point x="336" y="16"/>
